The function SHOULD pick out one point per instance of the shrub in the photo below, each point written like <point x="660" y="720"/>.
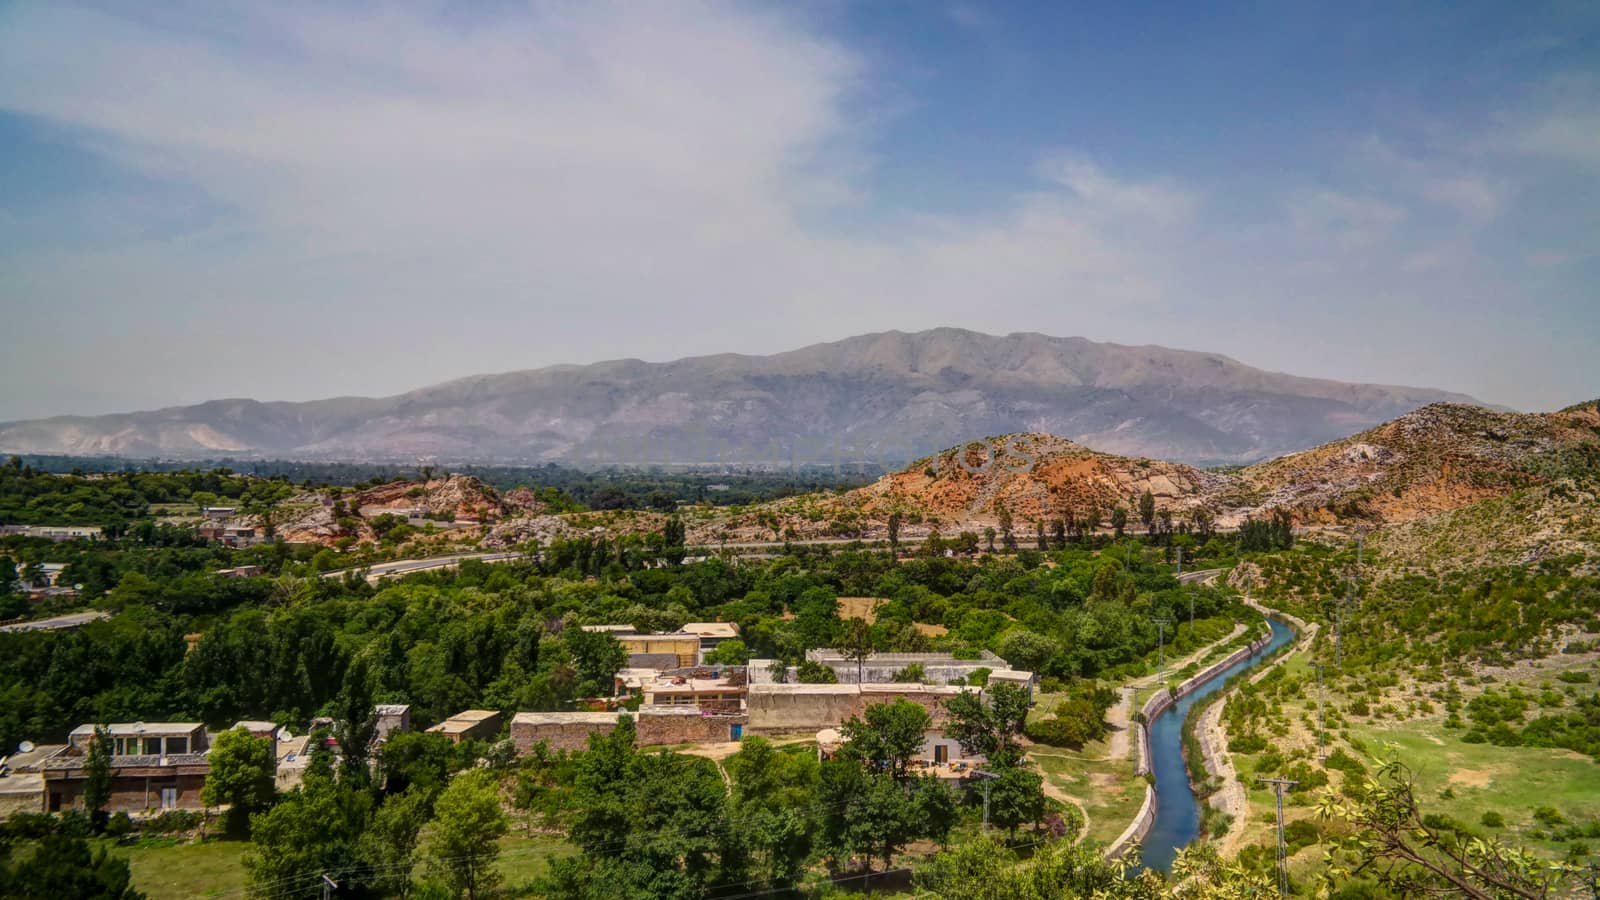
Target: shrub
<point x="1492" y="819"/>
<point x="1547" y="815"/>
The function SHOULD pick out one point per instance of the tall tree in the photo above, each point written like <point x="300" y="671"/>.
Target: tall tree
<point x="242" y="777"/>
<point x="894" y="532"/>
<point x="355" y="722"/>
<point x="1007" y="538"/>
<point x="597" y="655"/>
<point x="988" y="723"/>
<point x="1119" y="520"/>
<point x="1147" y="509"/>
<point x="463" y="843"/>
<point x="1058" y="534"/>
<point x="1040" y="541"/>
<point x="773" y="794"/>
<point x="313" y="829"/>
<point x="855" y="643"/>
<point x="887" y="735"/>
<point x="97" y="776"/>
<point x="1016" y="798"/>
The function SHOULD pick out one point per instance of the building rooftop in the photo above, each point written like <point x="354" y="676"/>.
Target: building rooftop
<point x="464" y="720"/>
<point x="391" y="709"/>
<point x="124" y="729"/>
<point x="564" y="718"/>
<point x="711" y="629"/>
<point x="805" y="689"/>
<point x="31" y="759"/>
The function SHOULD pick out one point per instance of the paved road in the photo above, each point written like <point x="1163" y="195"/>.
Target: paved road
<point x="70" y="620"/>
<point x="1202" y="576"/>
<point x="380" y="571"/>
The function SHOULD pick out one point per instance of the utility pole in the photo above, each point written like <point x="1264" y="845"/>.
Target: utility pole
<point x="1161" y="624"/>
<point x="1322" y="728"/>
<point x="1278" y="786"/>
<point x="328" y="884"/>
<point x="987" y="777"/>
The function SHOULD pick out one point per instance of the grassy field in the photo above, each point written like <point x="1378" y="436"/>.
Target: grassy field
<point x="171" y="869"/>
<point x="166" y="868"/>
<point x="1107" y="790"/>
<point x="1464" y="781"/>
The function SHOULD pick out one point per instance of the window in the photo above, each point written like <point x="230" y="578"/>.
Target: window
<point x="152" y="746"/>
<point x="177" y="745"/>
<point x="169" y="798"/>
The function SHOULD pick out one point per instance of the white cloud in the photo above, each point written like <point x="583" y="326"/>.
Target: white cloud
<point x="407" y="198"/>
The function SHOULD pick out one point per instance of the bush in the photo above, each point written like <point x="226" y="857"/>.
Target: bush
<point x="1547" y="815"/>
<point x="1248" y="743"/>
<point x="1059" y="732"/>
<point x="1492" y="819"/>
<point x="172" y="821"/>
<point x="119" y="825"/>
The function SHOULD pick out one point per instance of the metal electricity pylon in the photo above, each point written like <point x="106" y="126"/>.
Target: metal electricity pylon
<point x="1322" y="727"/>
<point x="1279" y="785"/>
<point x="1161" y="623"/>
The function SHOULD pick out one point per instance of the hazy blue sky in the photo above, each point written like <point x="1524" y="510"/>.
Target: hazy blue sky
<point x="291" y="202"/>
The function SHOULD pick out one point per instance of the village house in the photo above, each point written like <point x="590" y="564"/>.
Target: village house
<point x="479" y="724"/>
<point x="154" y="766"/>
<point x="650" y="650"/>
<point x="884" y="668"/>
<point x="720" y="690"/>
<point x="711" y="633"/>
<point x="22" y="778"/>
<point x="392" y="718"/>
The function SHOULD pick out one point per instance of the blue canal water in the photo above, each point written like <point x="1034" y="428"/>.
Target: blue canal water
<point x="1177" y="820"/>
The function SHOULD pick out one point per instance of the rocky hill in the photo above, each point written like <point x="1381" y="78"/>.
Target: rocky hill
<point x="883" y="398"/>
<point x="1035" y="476"/>
<point x="1439" y="458"/>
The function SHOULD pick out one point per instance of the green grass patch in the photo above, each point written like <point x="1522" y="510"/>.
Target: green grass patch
<point x="1465" y="781"/>
<point x="1109" y="791"/>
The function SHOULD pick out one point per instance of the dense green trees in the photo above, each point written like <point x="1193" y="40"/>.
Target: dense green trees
<point x="64" y="866"/>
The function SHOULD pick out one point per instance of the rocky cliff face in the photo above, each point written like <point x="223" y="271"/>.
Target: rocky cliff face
<point x="884" y="398"/>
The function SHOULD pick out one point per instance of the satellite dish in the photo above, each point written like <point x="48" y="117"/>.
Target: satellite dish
<point x="25" y="747"/>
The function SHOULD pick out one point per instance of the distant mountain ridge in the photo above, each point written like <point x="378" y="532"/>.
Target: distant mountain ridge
<point x="885" y="398"/>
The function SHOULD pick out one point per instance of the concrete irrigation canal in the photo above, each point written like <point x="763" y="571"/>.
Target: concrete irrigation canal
<point x="1176" y="820"/>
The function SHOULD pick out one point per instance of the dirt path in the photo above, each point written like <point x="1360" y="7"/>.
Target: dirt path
<point x="1055" y="793"/>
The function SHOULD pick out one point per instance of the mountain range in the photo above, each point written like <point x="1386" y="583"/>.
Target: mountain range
<point x="883" y="398"/>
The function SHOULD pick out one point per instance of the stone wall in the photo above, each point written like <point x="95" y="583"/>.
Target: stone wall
<point x="564" y="735"/>
<point x="775" y="709"/>
<point x="658" y="728"/>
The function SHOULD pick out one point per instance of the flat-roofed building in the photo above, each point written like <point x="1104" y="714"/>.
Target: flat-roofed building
<point x="392" y="718"/>
<point x="710" y="689"/>
<point x="646" y="650"/>
<point x="559" y="730"/>
<point x="154" y="766"/>
<point x="711" y="633"/>
<point x="480" y="724"/>
<point x="22" y="779"/>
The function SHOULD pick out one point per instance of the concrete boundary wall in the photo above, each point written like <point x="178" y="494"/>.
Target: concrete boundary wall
<point x="1138" y="828"/>
<point x="1153" y="707"/>
<point x="1161" y="700"/>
